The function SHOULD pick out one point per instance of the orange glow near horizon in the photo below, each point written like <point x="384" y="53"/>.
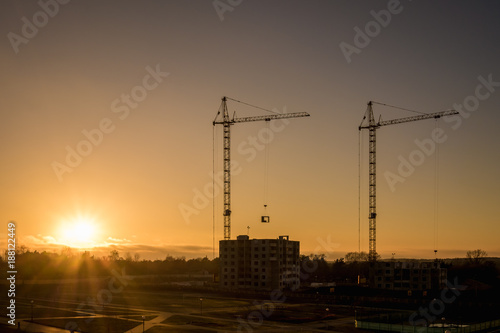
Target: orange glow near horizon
<point x="108" y="140"/>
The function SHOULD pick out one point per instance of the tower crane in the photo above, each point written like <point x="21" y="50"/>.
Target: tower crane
<point x="226" y="122"/>
<point x="372" y="127"/>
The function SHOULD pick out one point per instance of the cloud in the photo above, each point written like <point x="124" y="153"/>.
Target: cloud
<point x="49" y="243"/>
<point x="40" y="239"/>
<point x="117" y="240"/>
<point x="154" y="251"/>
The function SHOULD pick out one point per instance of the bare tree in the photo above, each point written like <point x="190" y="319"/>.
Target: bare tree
<point x="114" y="255"/>
<point x="67" y="251"/>
<point x="476" y="256"/>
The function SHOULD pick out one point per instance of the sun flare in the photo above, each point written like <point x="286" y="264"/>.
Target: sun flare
<point x="79" y="232"/>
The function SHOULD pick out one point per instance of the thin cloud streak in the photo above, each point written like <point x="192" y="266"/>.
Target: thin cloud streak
<point x="42" y="243"/>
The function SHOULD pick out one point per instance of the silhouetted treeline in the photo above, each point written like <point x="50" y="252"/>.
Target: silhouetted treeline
<point x="69" y="264"/>
<point x="315" y="268"/>
<point x="475" y="270"/>
<point x="484" y="274"/>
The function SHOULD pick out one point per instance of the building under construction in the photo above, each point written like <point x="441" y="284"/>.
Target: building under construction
<point x="259" y="264"/>
<point x="412" y="275"/>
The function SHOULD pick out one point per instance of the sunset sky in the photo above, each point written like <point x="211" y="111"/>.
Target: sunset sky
<point x="107" y="136"/>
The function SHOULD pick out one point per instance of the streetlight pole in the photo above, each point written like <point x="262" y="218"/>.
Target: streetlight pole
<point x="32" y="310"/>
<point x="201" y="306"/>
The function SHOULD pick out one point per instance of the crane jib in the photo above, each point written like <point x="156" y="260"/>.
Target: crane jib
<point x="270" y="117"/>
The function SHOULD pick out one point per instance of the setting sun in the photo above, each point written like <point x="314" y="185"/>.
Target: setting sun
<point x="80" y="232"/>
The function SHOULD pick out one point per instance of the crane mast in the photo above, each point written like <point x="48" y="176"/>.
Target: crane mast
<point x="226" y="123"/>
<point x="372" y="127"/>
<point x="227" y="170"/>
<point x="372" y="178"/>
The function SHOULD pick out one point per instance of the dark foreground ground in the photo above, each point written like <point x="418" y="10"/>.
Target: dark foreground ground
<point x="121" y="305"/>
<point x="101" y="307"/>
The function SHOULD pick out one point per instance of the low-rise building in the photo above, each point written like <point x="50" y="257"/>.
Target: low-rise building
<point x="259" y="264"/>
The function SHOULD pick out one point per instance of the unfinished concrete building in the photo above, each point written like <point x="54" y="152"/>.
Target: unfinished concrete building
<point x="259" y="264"/>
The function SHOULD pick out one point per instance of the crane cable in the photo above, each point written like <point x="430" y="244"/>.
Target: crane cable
<point x="254" y="106"/>
<point x="360" y="147"/>
<point x="360" y="175"/>
<point x="214" y="153"/>
<point x="397" y="107"/>
<point x="266" y="165"/>
<point x="436" y="191"/>
<point x="266" y="144"/>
